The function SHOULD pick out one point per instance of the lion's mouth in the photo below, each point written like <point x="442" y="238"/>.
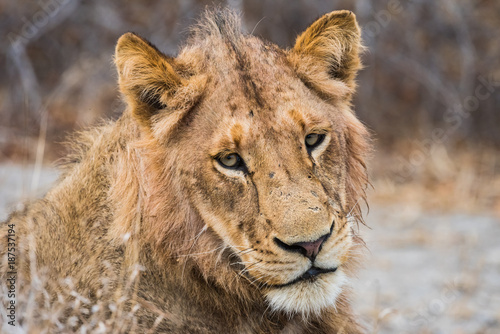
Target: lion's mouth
<point x="310" y="275"/>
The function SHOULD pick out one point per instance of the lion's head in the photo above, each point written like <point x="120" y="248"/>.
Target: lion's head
<point x="251" y="159"/>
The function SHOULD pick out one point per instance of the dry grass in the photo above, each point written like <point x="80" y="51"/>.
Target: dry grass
<point x="37" y="311"/>
<point x="465" y="180"/>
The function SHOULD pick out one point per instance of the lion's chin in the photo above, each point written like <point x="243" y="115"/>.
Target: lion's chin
<point x="308" y="297"/>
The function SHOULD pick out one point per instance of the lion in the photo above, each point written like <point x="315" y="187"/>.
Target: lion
<point x="223" y="200"/>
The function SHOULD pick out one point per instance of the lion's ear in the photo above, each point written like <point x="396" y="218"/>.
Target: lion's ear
<point x="329" y="51"/>
<point x="146" y="76"/>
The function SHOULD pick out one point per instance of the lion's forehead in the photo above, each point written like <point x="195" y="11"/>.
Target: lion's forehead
<point x="253" y="81"/>
<point x="245" y="69"/>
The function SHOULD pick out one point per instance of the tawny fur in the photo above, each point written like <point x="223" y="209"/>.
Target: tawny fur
<point x="148" y="225"/>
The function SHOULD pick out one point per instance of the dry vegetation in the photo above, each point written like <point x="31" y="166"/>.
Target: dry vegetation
<point x="446" y="180"/>
<point x="430" y="92"/>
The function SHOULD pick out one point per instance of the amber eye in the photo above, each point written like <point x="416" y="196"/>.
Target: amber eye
<point x="232" y="160"/>
<point x="313" y="140"/>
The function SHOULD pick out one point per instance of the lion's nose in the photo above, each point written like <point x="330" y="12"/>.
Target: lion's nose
<point x="309" y="249"/>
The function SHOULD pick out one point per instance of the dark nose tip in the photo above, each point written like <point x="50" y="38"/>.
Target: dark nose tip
<point x="309" y="248"/>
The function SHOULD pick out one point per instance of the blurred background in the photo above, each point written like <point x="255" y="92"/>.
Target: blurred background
<point x="430" y="93"/>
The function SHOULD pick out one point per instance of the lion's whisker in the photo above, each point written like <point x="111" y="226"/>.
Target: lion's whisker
<point x="245" y="251"/>
<point x="201" y="253"/>
<point x="353" y="207"/>
<point x="253" y="264"/>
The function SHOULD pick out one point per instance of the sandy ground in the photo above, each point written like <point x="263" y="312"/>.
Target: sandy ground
<point x="430" y="273"/>
<point x="425" y="272"/>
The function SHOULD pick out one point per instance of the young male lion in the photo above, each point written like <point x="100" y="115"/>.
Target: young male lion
<point x="221" y="201"/>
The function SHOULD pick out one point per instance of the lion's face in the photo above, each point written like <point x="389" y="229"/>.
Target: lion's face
<point x="271" y="184"/>
<point x="264" y="156"/>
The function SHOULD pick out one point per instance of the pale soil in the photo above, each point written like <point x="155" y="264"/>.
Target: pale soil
<point x="428" y="272"/>
<point x="425" y="272"/>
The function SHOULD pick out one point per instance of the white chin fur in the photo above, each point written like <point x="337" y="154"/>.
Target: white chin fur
<point x="308" y="298"/>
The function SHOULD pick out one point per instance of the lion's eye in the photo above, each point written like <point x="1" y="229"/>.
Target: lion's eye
<point x="232" y="160"/>
<point x="313" y="140"/>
